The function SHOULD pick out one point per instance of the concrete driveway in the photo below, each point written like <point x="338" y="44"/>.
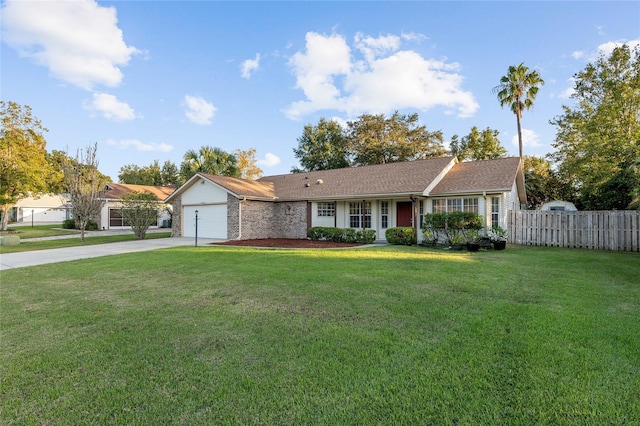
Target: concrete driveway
<point x="41" y="257"/>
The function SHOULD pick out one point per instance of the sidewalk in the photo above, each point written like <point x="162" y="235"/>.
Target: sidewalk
<point x="41" y="257"/>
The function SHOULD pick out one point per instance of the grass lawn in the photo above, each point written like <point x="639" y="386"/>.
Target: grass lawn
<point x="40" y="231"/>
<point x="74" y="242"/>
<point x="386" y="335"/>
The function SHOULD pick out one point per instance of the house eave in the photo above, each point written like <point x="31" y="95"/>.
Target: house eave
<point x="386" y="195"/>
<point x="473" y="192"/>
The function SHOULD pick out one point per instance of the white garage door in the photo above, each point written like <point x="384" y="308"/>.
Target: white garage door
<point x="212" y="221"/>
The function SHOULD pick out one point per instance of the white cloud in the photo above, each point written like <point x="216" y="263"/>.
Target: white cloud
<point x="530" y="139"/>
<point x="566" y="94"/>
<point x="269" y="160"/>
<point x="198" y="110"/>
<point x="577" y="55"/>
<point x="79" y="41"/>
<point x="110" y="107"/>
<point x="607" y="48"/>
<point x="384" y="80"/>
<point x="249" y="66"/>
<point x="140" y="146"/>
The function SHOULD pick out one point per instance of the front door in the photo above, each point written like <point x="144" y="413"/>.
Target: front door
<point x="404" y="213"/>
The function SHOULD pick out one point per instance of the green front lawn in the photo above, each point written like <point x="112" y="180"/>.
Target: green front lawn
<point x="40" y="231"/>
<point x="75" y="241"/>
<point x="384" y="335"/>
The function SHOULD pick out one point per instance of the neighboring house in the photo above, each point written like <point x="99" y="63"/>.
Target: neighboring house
<point x="374" y="197"/>
<point x="43" y="209"/>
<point x="559" y="206"/>
<point x="110" y="216"/>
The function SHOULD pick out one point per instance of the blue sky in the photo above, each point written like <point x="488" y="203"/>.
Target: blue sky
<point x="149" y="80"/>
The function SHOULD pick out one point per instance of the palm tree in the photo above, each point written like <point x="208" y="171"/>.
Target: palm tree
<point x="210" y="160"/>
<point x="518" y="89"/>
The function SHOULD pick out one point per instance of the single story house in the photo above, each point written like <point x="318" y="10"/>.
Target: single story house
<point x="110" y="216"/>
<point x="46" y="208"/>
<point x="374" y="197"/>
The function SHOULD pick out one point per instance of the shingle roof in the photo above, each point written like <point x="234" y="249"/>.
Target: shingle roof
<point x="408" y="178"/>
<point x="411" y="177"/>
<point x="478" y="176"/>
<point x="243" y="187"/>
<point x="117" y="190"/>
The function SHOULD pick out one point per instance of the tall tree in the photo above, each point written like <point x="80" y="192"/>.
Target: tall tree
<point x="84" y="184"/>
<point x="170" y="174"/>
<point x="598" y="138"/>
<point x="322" y="147"/>
<point x="477" y="145"/>
<point x="543" y="184"/>
<point x="24" y="167"/>
<point x="247" y="164"/>
<point x="375" y="139"/>
<point x="518" y="90"/>
<point x="215" y="161"/>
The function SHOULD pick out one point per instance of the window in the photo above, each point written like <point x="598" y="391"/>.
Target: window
<point x="116" y="219"/>
<point x="439" y="206"/>
<point x="495" y="211"/>
<point x="421" y="212"/>
<point x="455" y="205"/>
<point x="326" y="209"/>
<point x="384" y="214"/>
<point x="470" y="205"/>
<point x="360" y="215"/>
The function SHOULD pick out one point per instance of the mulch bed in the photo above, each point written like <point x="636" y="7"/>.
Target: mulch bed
<point x="285" y="243"/>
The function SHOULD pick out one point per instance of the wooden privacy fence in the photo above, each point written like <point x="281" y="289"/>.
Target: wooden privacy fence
<point x="597" y="230"/>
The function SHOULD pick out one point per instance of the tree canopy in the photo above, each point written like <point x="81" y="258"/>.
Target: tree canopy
<point x="322" y="147"/>
<point x="517" y="90"/>
<point x="372" y="139"/>
<point x="247" y="164"/>
<point x="215" y="161"/>
<point x="25" y="169"/>
<point x="152" y="175"/>
<point x="477" y="145"/>
<point x="597" y="143"/>
<point x="375" y="139"/>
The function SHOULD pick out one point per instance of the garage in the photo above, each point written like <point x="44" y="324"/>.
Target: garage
<point x="212" y="221"/>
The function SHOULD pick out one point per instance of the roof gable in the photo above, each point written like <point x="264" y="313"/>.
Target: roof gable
<point x="496" y="175"/>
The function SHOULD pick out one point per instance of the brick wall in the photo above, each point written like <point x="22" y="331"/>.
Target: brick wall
<point x="233" y="219"/>
<point x="176" y="219"/>
<point x="262" y="219"/>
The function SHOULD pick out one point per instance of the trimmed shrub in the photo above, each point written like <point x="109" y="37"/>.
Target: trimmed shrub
<point x="401" y="236"/>
<point x="339" y="235"/>
<point x="71" y="224"/>
<point x="452" y="227"/>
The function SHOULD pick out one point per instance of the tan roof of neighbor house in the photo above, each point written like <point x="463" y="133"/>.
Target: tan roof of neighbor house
<point x="243" y="187"/>
<point x="478" y="176"/>
<point x="117" y="190"/>
<point x="411" y="177"/>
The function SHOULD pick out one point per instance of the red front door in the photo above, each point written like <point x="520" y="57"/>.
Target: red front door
<point x="404" y="213"/>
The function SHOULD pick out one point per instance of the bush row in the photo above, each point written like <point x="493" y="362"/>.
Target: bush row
<point x="451" y="228"/>
<point x="340" y="235"/>
<point x="71" y="224"/>
<point x="401" y="236"/>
